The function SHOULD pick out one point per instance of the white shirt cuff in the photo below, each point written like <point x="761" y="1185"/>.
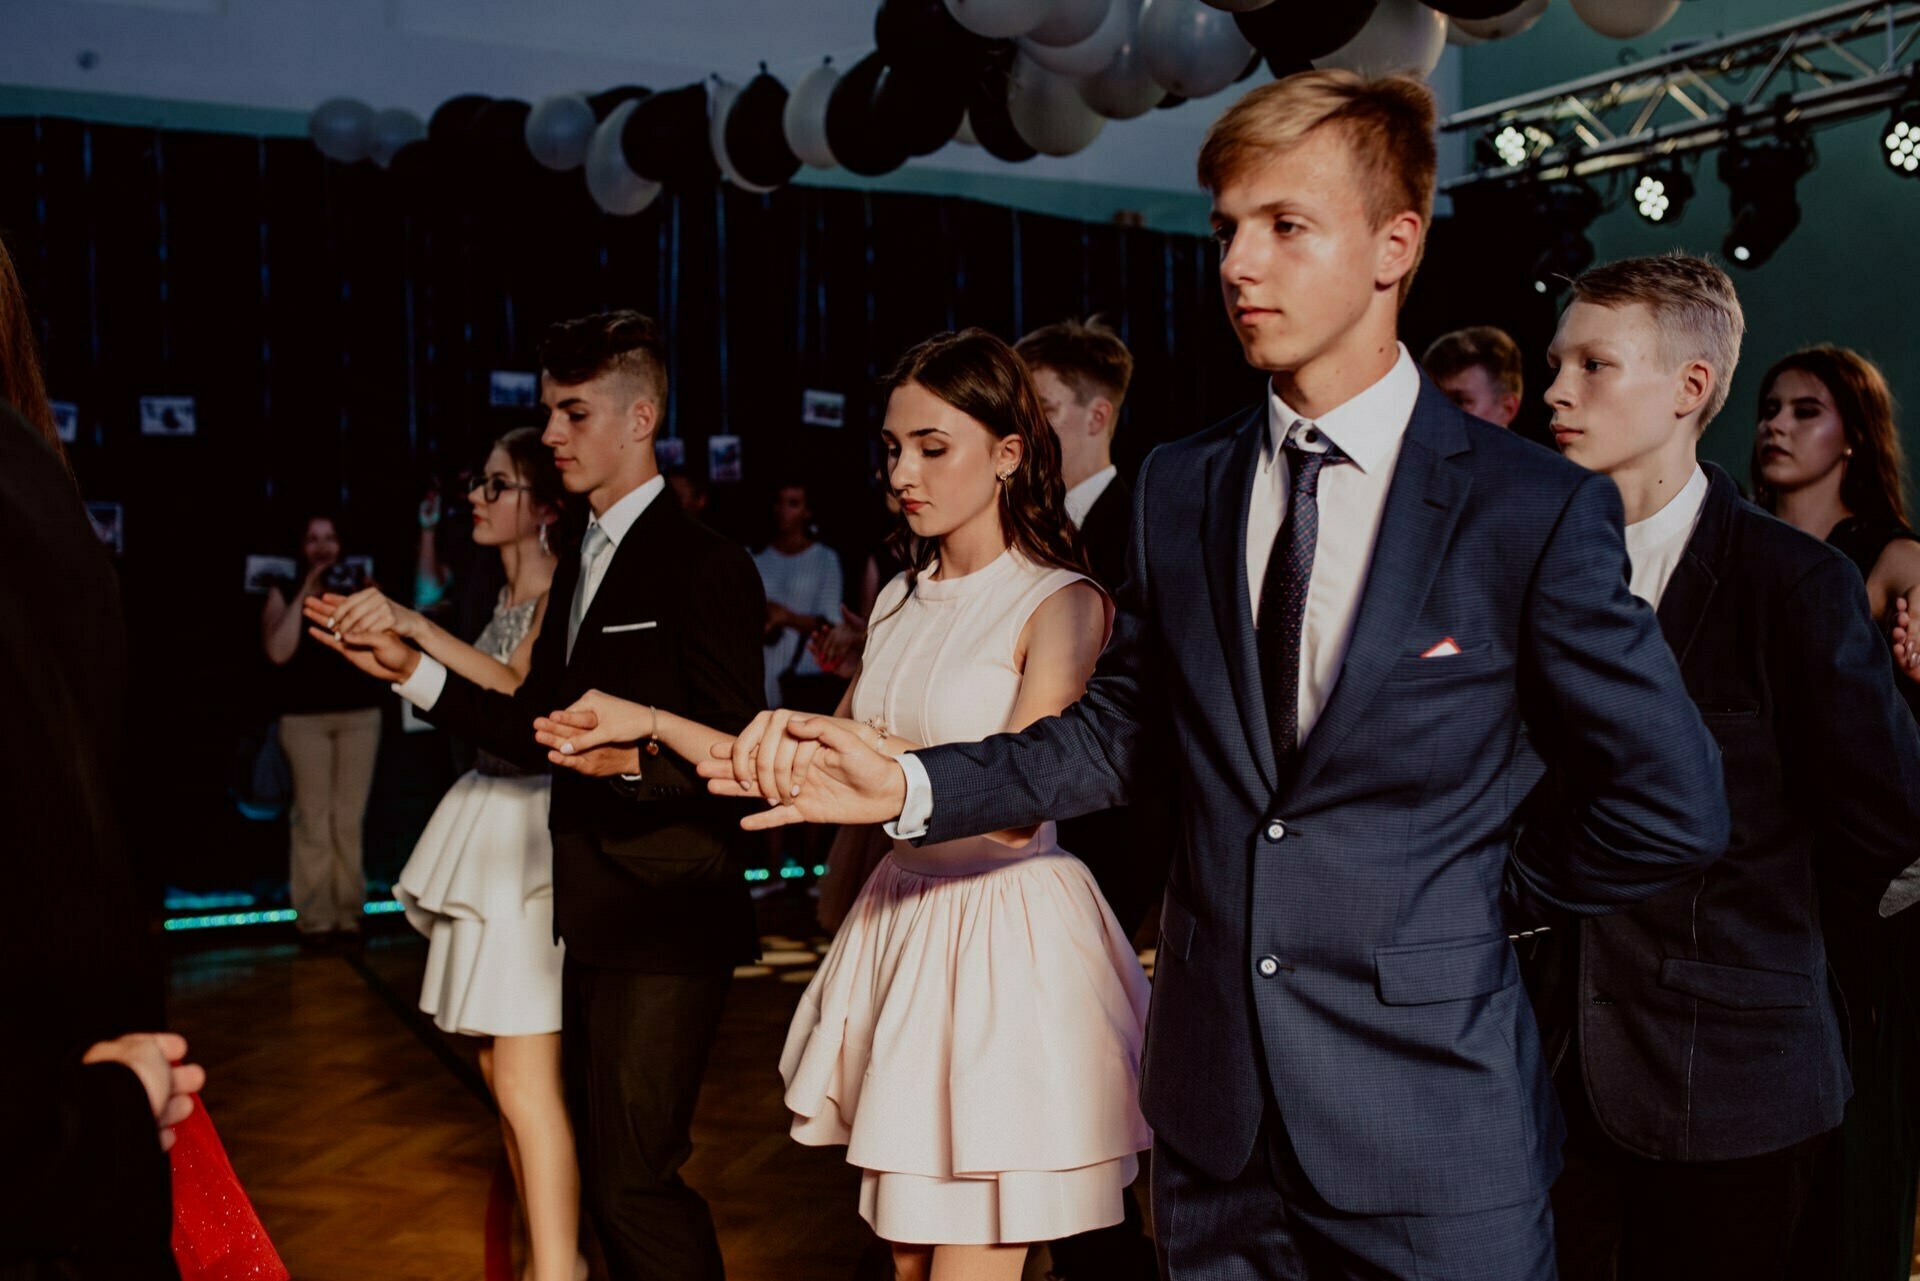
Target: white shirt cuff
<point x="917" y="812"/>
<point x="422" y="689"/>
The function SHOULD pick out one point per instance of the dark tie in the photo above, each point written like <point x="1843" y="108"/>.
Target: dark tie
<point x="1283" y="596"/>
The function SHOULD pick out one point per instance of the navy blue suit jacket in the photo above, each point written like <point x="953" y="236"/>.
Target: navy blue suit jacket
<point x="1342" y="934"/>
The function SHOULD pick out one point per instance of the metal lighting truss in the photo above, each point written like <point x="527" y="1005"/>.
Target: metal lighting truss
<point x="1853" y="59"/>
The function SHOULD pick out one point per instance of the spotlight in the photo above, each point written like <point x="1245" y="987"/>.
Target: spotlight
<point x="1662" y="194"/>
<point x="1564" y="210"/>
<point x="1760" y="185"/>
<point x="1514" y="145"/>
<point x="1903" y="139"/>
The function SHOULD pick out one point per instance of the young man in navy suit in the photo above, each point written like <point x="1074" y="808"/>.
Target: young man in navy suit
<point x="1696" y="1045"/>
<point x="1346" y="600"/>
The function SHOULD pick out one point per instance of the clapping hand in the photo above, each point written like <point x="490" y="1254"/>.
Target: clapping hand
<point x="595" y="736"/>
<point x="809" y="769"/>
<point x="832" y="646"/>
<point x="156" y="1058"/>
<point x="1906" y="634"/>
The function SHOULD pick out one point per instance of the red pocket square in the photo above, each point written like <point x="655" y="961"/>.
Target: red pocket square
<point x="1445" y="649"/>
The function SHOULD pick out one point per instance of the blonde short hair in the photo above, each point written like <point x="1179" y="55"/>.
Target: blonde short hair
<point x="1694" y="307"/>
<point x="1388" y="125"/>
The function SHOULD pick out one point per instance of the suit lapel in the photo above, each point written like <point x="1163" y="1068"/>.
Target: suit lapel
<point x="1229" y="500"/>
<point x="623" y="587"/>
<point x="1423" y="505"/>
<point x="1683" y="606"/>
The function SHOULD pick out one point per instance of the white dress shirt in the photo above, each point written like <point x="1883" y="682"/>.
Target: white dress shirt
<point x="1369" y="430"/>
<point x="1082" y="497"/>
<point x="1656" y="545"/>
<point x="423" y="688"/>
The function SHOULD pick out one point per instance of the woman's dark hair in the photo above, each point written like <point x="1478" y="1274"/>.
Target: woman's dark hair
<point x="22" y="384"/>
<point x="1872" y="485"/>
<point x="534" y="462"/>
<point x="983" y="378"/>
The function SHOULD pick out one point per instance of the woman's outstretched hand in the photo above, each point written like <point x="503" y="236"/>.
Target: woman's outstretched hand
<point x="594" y="720"/>
<point x="809" y="769"/>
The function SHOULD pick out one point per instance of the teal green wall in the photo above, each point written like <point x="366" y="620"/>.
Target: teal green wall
<point x="1177" y="211"/>
<point x="1843" y="277"/>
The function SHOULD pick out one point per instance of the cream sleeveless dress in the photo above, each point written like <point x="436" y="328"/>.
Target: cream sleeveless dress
<point x="973" y="1036"/>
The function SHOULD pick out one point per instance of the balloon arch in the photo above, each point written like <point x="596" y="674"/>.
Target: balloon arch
<point x="1018" y="78"/>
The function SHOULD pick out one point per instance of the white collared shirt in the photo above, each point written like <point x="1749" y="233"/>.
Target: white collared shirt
<point x="1656" y="545"/>
<point x="1369" y="430"/>
<point x="1082" y="497"/>
<point x="429" y="678"/>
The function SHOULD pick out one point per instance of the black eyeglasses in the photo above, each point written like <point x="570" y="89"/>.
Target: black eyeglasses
<point x="492" y="486"/>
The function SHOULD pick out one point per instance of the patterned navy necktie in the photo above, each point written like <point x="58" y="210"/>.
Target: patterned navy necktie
<point x="1283" y="594"/>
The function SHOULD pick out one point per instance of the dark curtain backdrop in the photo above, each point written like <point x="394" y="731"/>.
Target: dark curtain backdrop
<point x="337" y="325"/>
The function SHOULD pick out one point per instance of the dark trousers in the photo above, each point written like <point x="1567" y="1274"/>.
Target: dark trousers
<point x="1621" y="1215"/>
<point x="1268" y="1224"/>
<point x="634" y="1048"/>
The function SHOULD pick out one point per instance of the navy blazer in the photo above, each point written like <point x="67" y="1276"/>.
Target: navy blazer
<point x="1705" y="1028"/>
<point x="1342" y="936"/>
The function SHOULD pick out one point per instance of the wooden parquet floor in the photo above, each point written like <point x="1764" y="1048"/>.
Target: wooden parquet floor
<point x="368" y="1155"/>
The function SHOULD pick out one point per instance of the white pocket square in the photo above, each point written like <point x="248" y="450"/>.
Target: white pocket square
<point x="1445" y="649"/>
<point x="627" y="627"/>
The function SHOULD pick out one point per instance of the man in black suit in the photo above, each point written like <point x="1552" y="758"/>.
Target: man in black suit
<point x="648" y="894"/>
<point x="1081" y="370"/>
<point x="1699" y="1057"/>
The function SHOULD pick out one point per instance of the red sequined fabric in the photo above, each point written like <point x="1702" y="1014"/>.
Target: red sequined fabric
<point x="216" y="1234"/>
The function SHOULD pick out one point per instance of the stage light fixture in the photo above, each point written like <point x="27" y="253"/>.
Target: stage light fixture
<point x="1902" y="140"/>
<point x="1761" y="201"/>
<point x="1514" y="145"/>
<point x="1661" y="195"/>
<point x="1564" y="210"/>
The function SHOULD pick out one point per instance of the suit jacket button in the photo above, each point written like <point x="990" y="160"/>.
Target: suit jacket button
<point x="1276" y="831"/>
<point x="1269" y="966"/>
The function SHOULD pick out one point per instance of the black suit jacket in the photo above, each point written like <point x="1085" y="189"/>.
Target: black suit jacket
<point x="1104" y="533"/>
<point x="83" y="1186"/>
<point x="1701" y="1021"/>
<point x="645" y="877"/>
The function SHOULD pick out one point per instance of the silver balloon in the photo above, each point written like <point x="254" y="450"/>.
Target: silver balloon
<point x="558" y="131"/>
<point x="1501" y="26"/>
<point x="1239" y="6"/>
<point x="614" y="187"/>
<point x="1092" y="53"/>
<point x="1000" y="19"/>
<point x="720" y="96"/>
<point x="1190" y="48"/>
<point x="393" y="129"/>
<point x="1402" y="37"/>
<point x="805" y="121"/>
<point x="1625" y="19"/>
<point x="1069" y="22"/>
<point x="1047" y="111"/>
<point x="1124" y="88"/>
<point x="342" y="128"/>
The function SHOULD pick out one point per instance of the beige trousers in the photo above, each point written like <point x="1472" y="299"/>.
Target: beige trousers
<point x="331" y="756"/>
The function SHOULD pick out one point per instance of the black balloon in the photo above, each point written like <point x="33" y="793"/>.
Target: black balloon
<point x="606" y="100"/>
<point x="924" y="33"/>
<point x="987" y="114"/>
<point x="453" y="119"/>
<point x="755" y="137"/>
<point x="1292" y="35"/>
<point x="861" y="140"/>
<point x="666" y="138"/>
<point x="1169" y="102"/>
<point x="504" y="120"/>
<point x="921" y="109"/>
<point x="1473" y="8"/>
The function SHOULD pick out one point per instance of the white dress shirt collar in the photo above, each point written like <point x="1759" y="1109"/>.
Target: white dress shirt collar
<point x="619" y="518"/>
<point x="1082" y="497"/>
<point x="1367" y="428"/>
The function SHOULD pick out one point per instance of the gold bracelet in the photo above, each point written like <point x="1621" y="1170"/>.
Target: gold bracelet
<point x="881" y="732"/>
<point x="653" y="733"/>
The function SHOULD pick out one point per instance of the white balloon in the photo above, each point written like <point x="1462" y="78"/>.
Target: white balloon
<point x="558" y="130"/>
<point x="1091" y="54"/>
<point x="1457" y="35"/>
<point x="1239" y="6"/>
<point x="342" y="128"/>
<point x="1191" y="49"/>
<point x="393" y="129"/>
<point x="720" y="96"/>
<point x="1000" y="19"/>
<point x="1047" y="111"/>
<point x="615" y="187"/>
<point x="1124" y="88"/>
<point x="805" y="119"/>
<point x="1069" y="22"/>
<point x="1501" y="26"/>
<point x="1625" y="19"/>
<point x="1402" y="36"/>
